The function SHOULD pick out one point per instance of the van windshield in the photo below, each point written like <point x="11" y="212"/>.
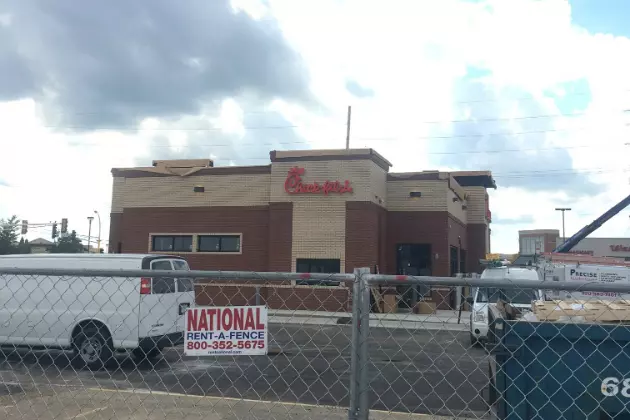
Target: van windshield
<point x="520" y="295"/>
<point x="513" y="295"/>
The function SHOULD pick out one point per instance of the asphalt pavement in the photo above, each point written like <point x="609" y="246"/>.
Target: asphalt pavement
<point x="431" y="372"/>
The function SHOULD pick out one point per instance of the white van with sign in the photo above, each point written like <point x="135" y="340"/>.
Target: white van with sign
<point x="586" y="273"/>
<point x="94" y="316"/>
<point x="482" y="297"/>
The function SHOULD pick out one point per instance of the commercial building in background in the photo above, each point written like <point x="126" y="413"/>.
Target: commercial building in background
<point x="531" y="242"/>
<point x="325" y="211"/>
<point x="603" y="247"/>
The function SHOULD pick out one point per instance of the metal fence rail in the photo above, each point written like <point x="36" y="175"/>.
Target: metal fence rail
<point x="111" y="344"/>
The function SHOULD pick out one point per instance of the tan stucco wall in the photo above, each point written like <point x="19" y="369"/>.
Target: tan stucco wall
<point x="366" y="178"/>
<point x="455" y="207"/>
<point x="433" y="197"/>
<point x="319" y="230"/>
<point x="175" y="191"/>
<point x="319" y="221"/>
<point x="476" y="204"/>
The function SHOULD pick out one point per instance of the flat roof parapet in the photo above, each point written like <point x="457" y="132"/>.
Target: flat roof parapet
<point x="329" y="154"/>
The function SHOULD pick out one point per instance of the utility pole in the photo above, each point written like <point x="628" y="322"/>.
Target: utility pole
<point x="563" y="209"/>
<point x="98" y="246"/>
<point x="90" y="218"/>
<point x="348" y="127"/>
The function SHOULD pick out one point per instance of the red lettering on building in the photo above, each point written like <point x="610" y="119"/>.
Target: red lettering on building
<point x="294" y="185"/>
<point x="619" y="248"/>
<point x="579" y="252"/>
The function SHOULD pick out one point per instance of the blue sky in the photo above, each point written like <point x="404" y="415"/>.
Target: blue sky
<point x="602" y="16"/>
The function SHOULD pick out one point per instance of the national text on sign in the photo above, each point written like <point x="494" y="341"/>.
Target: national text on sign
<point x="216" y="319"/>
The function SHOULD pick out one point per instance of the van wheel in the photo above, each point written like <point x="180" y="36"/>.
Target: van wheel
<point x="92" y="348"/>
<point x="473" y="341"/>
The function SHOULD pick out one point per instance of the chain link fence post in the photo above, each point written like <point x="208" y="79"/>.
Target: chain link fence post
<point x="364" y="334"/>
<point x="353" y="409"/>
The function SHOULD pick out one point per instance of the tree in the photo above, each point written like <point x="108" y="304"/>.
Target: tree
<point x="9" y="233"/>
<point x="23" y="247"/>
<point x="68" y="244"/>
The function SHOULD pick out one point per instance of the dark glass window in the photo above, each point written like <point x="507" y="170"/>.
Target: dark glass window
<point x="219" y="243"/>
<point x="184" y="284"/>
<point x="162" y="285"/>
<point x="170" y="243"/>
<point x="319" y="265"/>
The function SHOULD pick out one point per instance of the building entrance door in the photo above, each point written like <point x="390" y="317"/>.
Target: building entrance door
<point x="413" y="260"/>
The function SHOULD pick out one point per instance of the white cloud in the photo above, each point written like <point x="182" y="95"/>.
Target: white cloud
<point x="412" y="54"/>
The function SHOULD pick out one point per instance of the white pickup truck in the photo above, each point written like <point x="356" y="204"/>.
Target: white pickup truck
<point x="483" y="297"/>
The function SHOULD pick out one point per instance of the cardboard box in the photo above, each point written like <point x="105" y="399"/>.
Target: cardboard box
<point x="587" y="310"/>
<point x="425" y="307"/>
<point x="390" y="304"/>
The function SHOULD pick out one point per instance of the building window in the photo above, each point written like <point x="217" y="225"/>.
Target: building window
<point x="531" y="245"/>
<point x="219" y="243"/>
<point x="312" y="265"/>
<point x="171" y="243"/>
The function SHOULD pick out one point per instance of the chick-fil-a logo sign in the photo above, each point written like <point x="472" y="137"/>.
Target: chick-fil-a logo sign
<point x="294" y="185"/>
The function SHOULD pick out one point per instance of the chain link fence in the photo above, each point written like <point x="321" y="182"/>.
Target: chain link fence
<point x="158" y="344"/>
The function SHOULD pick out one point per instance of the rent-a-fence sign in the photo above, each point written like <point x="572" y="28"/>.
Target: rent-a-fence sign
<point x="232" y="330"/>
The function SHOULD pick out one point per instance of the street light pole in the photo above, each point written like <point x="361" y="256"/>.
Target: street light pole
<point x="563" y="209"/>
<point x="90" y="218"/>
<point x="98" y="246"/>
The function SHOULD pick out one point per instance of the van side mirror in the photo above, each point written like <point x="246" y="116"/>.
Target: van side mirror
<point x="469" y="300"/>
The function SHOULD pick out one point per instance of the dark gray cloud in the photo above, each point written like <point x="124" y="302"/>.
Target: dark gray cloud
<point x="520" y="220"/>
<point x="359" y="90"/>
<point x="109" y="64"/>
<point x="515" y="150"/>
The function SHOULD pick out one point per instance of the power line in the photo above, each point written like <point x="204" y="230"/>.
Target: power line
<point x="209" y="129"/>
<point x="245" y="111"/>
<point x="364" y="139"/>
<point x="464" y="152"/>
<point x="345" y="124"/>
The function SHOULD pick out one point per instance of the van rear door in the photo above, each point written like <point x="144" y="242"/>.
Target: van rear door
<point x="159" y="311"/>
<point x="185" y="292"/>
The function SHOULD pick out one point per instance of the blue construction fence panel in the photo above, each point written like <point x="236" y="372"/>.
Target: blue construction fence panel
<point x="557" y="370"/>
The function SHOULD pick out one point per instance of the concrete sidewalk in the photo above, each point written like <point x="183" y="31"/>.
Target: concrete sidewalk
<point x="442" y="320"/>
<point x="99" y="404"/>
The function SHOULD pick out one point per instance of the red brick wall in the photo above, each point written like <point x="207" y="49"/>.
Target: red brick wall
<point x="252" y="222"/>
<point x="551" y="241"/>
<point x="457" y="233"/>
<point x="276" y="297"/>
<point x="365" y="235"/>
<point x="280" y="236"/>
<point x="421" y="227"/>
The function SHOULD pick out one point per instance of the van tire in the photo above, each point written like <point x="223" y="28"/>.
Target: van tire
<point x="149" y="354"/>
<point x="92" y="347"/>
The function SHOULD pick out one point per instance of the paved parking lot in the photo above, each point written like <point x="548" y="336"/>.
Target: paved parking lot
<point x="432" y="372"/>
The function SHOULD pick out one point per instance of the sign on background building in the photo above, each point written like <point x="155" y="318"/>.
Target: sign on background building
<point x="226" y="331"/>
<point x="604" y="247"/>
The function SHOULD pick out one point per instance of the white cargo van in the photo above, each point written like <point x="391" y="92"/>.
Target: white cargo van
<point x="482" y="297"/>
<point x="94" y="316"/>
